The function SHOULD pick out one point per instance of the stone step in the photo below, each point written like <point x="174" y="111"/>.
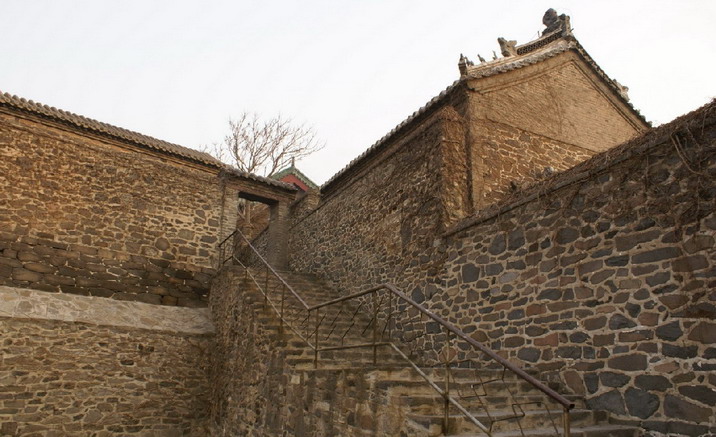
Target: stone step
<point x="508" y="421"/>
<point x="603" y="430"/>
<point x="306" y="363"/>
<point x="419" y="387"/>
<point x="433" y="404"/>
<point x="459" y="373"/>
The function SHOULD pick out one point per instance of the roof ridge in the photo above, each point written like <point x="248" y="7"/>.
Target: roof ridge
<point x="544" y="48"/>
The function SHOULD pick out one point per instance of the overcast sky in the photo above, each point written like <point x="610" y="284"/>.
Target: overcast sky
<point x="177" y="70"/>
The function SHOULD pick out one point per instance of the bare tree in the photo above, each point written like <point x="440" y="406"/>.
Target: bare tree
<point x="264" y="146"/>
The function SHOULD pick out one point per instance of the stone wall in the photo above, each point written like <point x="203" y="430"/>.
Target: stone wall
<point x="506" y="159"/>
<point x="49" y="265"/>
<point x="79" y="366"/>
<point x="600" y="275"/>
<point x="375" y="226"/>
<point x="85" y="214"/>
<point x="379" y="219"/>
<point x="605" y="276"/>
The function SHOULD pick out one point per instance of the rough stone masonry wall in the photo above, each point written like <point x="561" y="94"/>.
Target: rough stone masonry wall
<point x="607" y="281"/>
<point x="506" y="158"/>
<point x="83" y="215"/>
<point x="80" y="366"/>
<point x="381" y="224"/>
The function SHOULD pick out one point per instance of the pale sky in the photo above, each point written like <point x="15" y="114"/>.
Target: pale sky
<point x="177" y="70"/>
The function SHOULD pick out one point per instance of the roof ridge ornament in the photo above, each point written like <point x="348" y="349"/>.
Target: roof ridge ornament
<point x="554" y="23"/>
<point x="463" y="64"/>
<point x="508" y="48"/>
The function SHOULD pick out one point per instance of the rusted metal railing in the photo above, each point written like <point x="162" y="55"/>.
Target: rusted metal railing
<point x="383" y="317"/>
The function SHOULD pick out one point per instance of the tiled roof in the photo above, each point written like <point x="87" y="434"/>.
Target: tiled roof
<point x="104" y="129"/>
<point x="296" y="172"/>
<point x="85" y="124"/>
<point x="246" y="175"/>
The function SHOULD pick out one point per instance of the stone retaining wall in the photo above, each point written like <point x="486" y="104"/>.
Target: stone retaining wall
<point x="602" y="275"/>
<point x="607" y="281"/>
<point x="79" y="366"/>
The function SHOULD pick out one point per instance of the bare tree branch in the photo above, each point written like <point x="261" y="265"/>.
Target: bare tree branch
<point x="264" y="146"/>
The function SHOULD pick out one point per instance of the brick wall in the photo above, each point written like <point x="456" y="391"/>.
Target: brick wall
<point x="85" y="215"/>
<point x="560" y="98"/>
<point x="79" y="366"/>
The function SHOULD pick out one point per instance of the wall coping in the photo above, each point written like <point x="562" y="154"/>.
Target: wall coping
<point x="24" y="303"/>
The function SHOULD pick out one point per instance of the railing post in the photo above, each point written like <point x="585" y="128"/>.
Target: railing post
<point x="375" y="327"/>
<point x="315" y="352"/>
<point x="283" y="298"/>
<point x="266" y="286"/>
<point x="446" y="419"/>
<point x="390" y="320"/>
<point x="565" y="422"/>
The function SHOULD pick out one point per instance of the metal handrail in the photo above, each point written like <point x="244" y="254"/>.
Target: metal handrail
<point x="268" y="266"/>
<point x="566" y="404"/>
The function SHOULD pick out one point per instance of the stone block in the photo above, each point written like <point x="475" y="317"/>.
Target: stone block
<point x="28" y="256"/>
<point x="700" y="393"/>
<point x="40" y="267"/>
<point x="611" y="379"/>
<point x="652" y="382"/>
<point x="670" y="332"/>
<point x="630" y="362"/>
<point x="619" y="322"/>
<point x="704" y="332"/>
<point x="670" y="350"/>
<point x="678" y="408"/>
<point x="20" y="274"/>
<point x="611" y="401"/>
<point x="663" y="253"/>
<point x="640" y="403"/>
<point x="690" y="263"/>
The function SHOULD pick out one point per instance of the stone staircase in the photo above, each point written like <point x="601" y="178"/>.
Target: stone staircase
<point x="489" y="394"/>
